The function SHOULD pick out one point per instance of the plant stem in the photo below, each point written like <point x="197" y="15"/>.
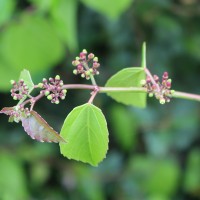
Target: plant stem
<point x="188" y="96"/>
<point x="91" y="76"/>
<point x="94" y="93"/>
<point x="96" y="89"/>
<point x="93" y="80"/>
<point x="148" y="73"/>
<point x="121" y="89"/>
<point x="79" y="86"/>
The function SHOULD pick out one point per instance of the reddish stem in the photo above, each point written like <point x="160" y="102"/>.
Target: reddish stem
<point x="148" y="73"/>
<point x="94" y="93"/>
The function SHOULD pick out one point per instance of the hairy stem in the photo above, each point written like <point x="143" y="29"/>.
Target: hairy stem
<point x="188" y="96"/>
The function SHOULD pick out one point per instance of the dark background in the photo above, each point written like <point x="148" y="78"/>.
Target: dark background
<point x="154" y="153"/>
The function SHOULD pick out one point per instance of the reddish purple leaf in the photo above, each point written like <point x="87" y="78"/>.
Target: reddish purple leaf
<point x="7" y="110"/>
<point x="15" y="115"/>
<point x="38" y="129"/>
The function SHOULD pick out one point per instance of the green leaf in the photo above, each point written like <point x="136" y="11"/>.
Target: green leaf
<point x="30" y="42"/>
<point x="128" y="77"/>
<point x="85" y="130"/>
<point x="42" y="5"/>
<point x="25" y="75"/>
<point x="6" y="9"/>
<point x="6" y="74"/>
<point x="124" y="126"/>
<point x="192" y="176"/>
<point x="64" y="17"/>
<point x="159" y="176"/>
<point x="13" y="183"/>
<point x="112" y="8"/>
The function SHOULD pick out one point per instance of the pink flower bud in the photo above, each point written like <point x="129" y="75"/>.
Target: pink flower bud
<point x="165" y="76"/>
<point x="79" y="67"/>
<point x="148" y="80"/>
<point x="82" y="55"/>
<point x="91" y="56"/>
<point x="154" y="87"/>
<point x="168" y="84"/>
<point x="156" y="78"/>
<point x="96" y="64"/>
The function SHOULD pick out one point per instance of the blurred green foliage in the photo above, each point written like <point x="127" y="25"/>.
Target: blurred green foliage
<point x="154" y="152"/>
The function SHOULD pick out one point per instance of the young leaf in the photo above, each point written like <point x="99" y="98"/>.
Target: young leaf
<point x="7" y="110"/>
<point x="38" y="129"/>
<point x="25" y="75"/>
<point x="86" y="131"/>
<point x="128" y="77"/>
<point x="143" y="63"/>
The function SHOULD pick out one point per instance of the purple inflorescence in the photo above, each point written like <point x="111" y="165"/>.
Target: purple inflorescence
<point x="19" y="90"/>
<point x="160" y="89"/>
<point x="86" y="65"/>
<point x="53" y="89"/>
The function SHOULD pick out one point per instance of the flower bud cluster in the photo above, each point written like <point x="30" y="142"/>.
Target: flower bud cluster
<point x="161" y="89"/>
<point x="19" y="89"/>
<point x="86" y="65"/>
<point x="53" y="89"/>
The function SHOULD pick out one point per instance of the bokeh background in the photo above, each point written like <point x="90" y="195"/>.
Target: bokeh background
<point x="154" y="152"/>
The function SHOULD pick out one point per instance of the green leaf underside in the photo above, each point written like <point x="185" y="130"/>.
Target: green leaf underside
<point x="25" y="75"/>
<point x="37" y="128"/>
<point x="128" y="77"/>
<point x="85" y="129"/>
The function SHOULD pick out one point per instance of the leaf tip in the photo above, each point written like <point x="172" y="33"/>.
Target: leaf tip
<point x="143" y="63"/>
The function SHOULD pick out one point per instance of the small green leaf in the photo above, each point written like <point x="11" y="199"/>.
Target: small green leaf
<point x="143" y="63"/>
<point x="85" y="130"/>
<point x="128" y="77"/>
<point x="25" y="75"/>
